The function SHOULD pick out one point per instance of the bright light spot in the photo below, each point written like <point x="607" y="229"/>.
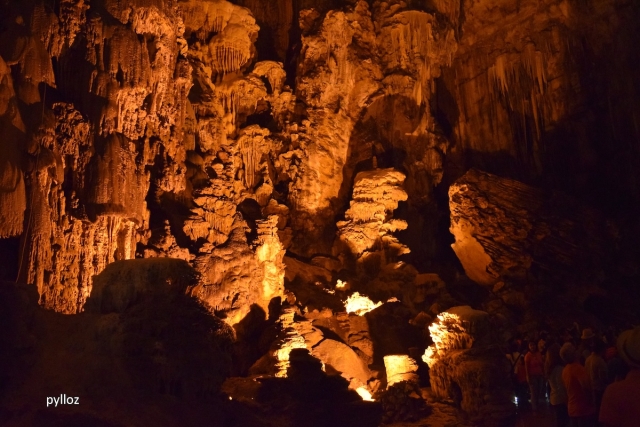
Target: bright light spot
<point x="230" y="398"/>
<point x="282" y="354"/>
<point x="360" y="304"/>
<point x="365" y="394"/>
<point x="447" y="333"/>
<point x="340" y="284"/>
<point x="515" y="400"/>
<point x="429" y="355"/>
<point x="400" y="367"/>
<point x="393" y="299"/>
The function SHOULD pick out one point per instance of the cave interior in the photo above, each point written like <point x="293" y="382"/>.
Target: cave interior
<point x="308" y="213"/>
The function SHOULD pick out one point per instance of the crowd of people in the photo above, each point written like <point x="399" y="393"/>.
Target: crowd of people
<point x="590" y="378"/>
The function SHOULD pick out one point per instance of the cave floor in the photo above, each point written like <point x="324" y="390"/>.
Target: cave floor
<point x="446" y="415"/>
<point x="544" y="417"/>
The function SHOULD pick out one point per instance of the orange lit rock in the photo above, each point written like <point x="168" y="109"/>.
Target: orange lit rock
<point x="369" y="219"/>
<point x="353" y="330"/>
<point x="360" y="304"/>
<point x="240" y="273"/>
<point x="13" y="198"/>
<point x="467" y="367"/>
<point x="400" y="368"/>
<point x="343" y="359"/>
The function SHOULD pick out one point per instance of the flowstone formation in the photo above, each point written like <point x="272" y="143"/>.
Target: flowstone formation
<point x="129" y="122"/>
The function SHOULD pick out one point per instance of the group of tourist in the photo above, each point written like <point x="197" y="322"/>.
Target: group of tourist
<point x="591" y="379"/>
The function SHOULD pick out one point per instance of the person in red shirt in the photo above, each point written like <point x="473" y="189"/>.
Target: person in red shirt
<point x="621" y="400"/>
<point x="534" y="366"/>
<point x="582" y="411"/>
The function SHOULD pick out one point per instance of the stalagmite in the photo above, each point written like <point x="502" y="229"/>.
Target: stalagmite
<point x="368" y="220"/>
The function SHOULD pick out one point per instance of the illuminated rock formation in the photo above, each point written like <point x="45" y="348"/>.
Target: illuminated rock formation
<point x="368" y="226"/>
<point x="400" y="368"/>
<point x="360" y="304"/>
<point x="293" y="152"/>
<point x="353" y="330"/>
<point x="132" y="137"/>
<point x="240" y="273"/>
<point x="467" y="367"/>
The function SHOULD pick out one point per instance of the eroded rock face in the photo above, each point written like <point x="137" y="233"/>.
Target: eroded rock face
<point x="81" y="178"/>
<point x="210" y="137"/>
<point x="365" y="75"/>
<point x="504" y="229"/>
<point x="528" y="80"/>
<point x="160" y="111"/>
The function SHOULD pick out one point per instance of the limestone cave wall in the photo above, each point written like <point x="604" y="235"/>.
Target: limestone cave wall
<point x="282" y="154"/>
<point x="178" y="128"/>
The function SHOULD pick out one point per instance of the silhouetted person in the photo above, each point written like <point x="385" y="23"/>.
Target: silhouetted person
<point x="519" y="374"/>
<point x="553" y="367"/>
<point x="535" y="373"/>
<point x="579" y="396"/>
<point x="598" y="374"/>
<point x="621" y="400"/>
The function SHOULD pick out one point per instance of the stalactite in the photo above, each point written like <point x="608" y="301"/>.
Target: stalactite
<point x="252" y="146"/>
<point x="228" y="59"/>
<point x="520" y="82"/>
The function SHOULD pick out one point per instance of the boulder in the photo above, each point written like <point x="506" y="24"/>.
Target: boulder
<point x="506" y="229"/>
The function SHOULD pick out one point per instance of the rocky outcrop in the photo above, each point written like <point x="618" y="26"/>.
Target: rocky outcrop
<point x="505" y="230"/>
<point x="359" y="68"/>
<point x="91" y="180"/>
<point x="467" y="367"/>
<point x="163" y="347"/>
<point x="211" y="137"/>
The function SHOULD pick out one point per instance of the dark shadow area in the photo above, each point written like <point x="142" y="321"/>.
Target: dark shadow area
<point x="251" y="212"/>
<point x="10" y="256"/>
<point x="248" y="332"/>
<point x="160" y="362"/>
<point x="391" y="331"/>
<point x="309" y="397"/>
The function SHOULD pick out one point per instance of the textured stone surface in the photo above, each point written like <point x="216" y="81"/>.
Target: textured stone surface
<point x="211" y="137"/>
<point x="110" y="173"/>
<point x="181" y="112"/>
<point x="368" y="221"/>
<point x="504" y="228"/>
<point x="467" y="367"/>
